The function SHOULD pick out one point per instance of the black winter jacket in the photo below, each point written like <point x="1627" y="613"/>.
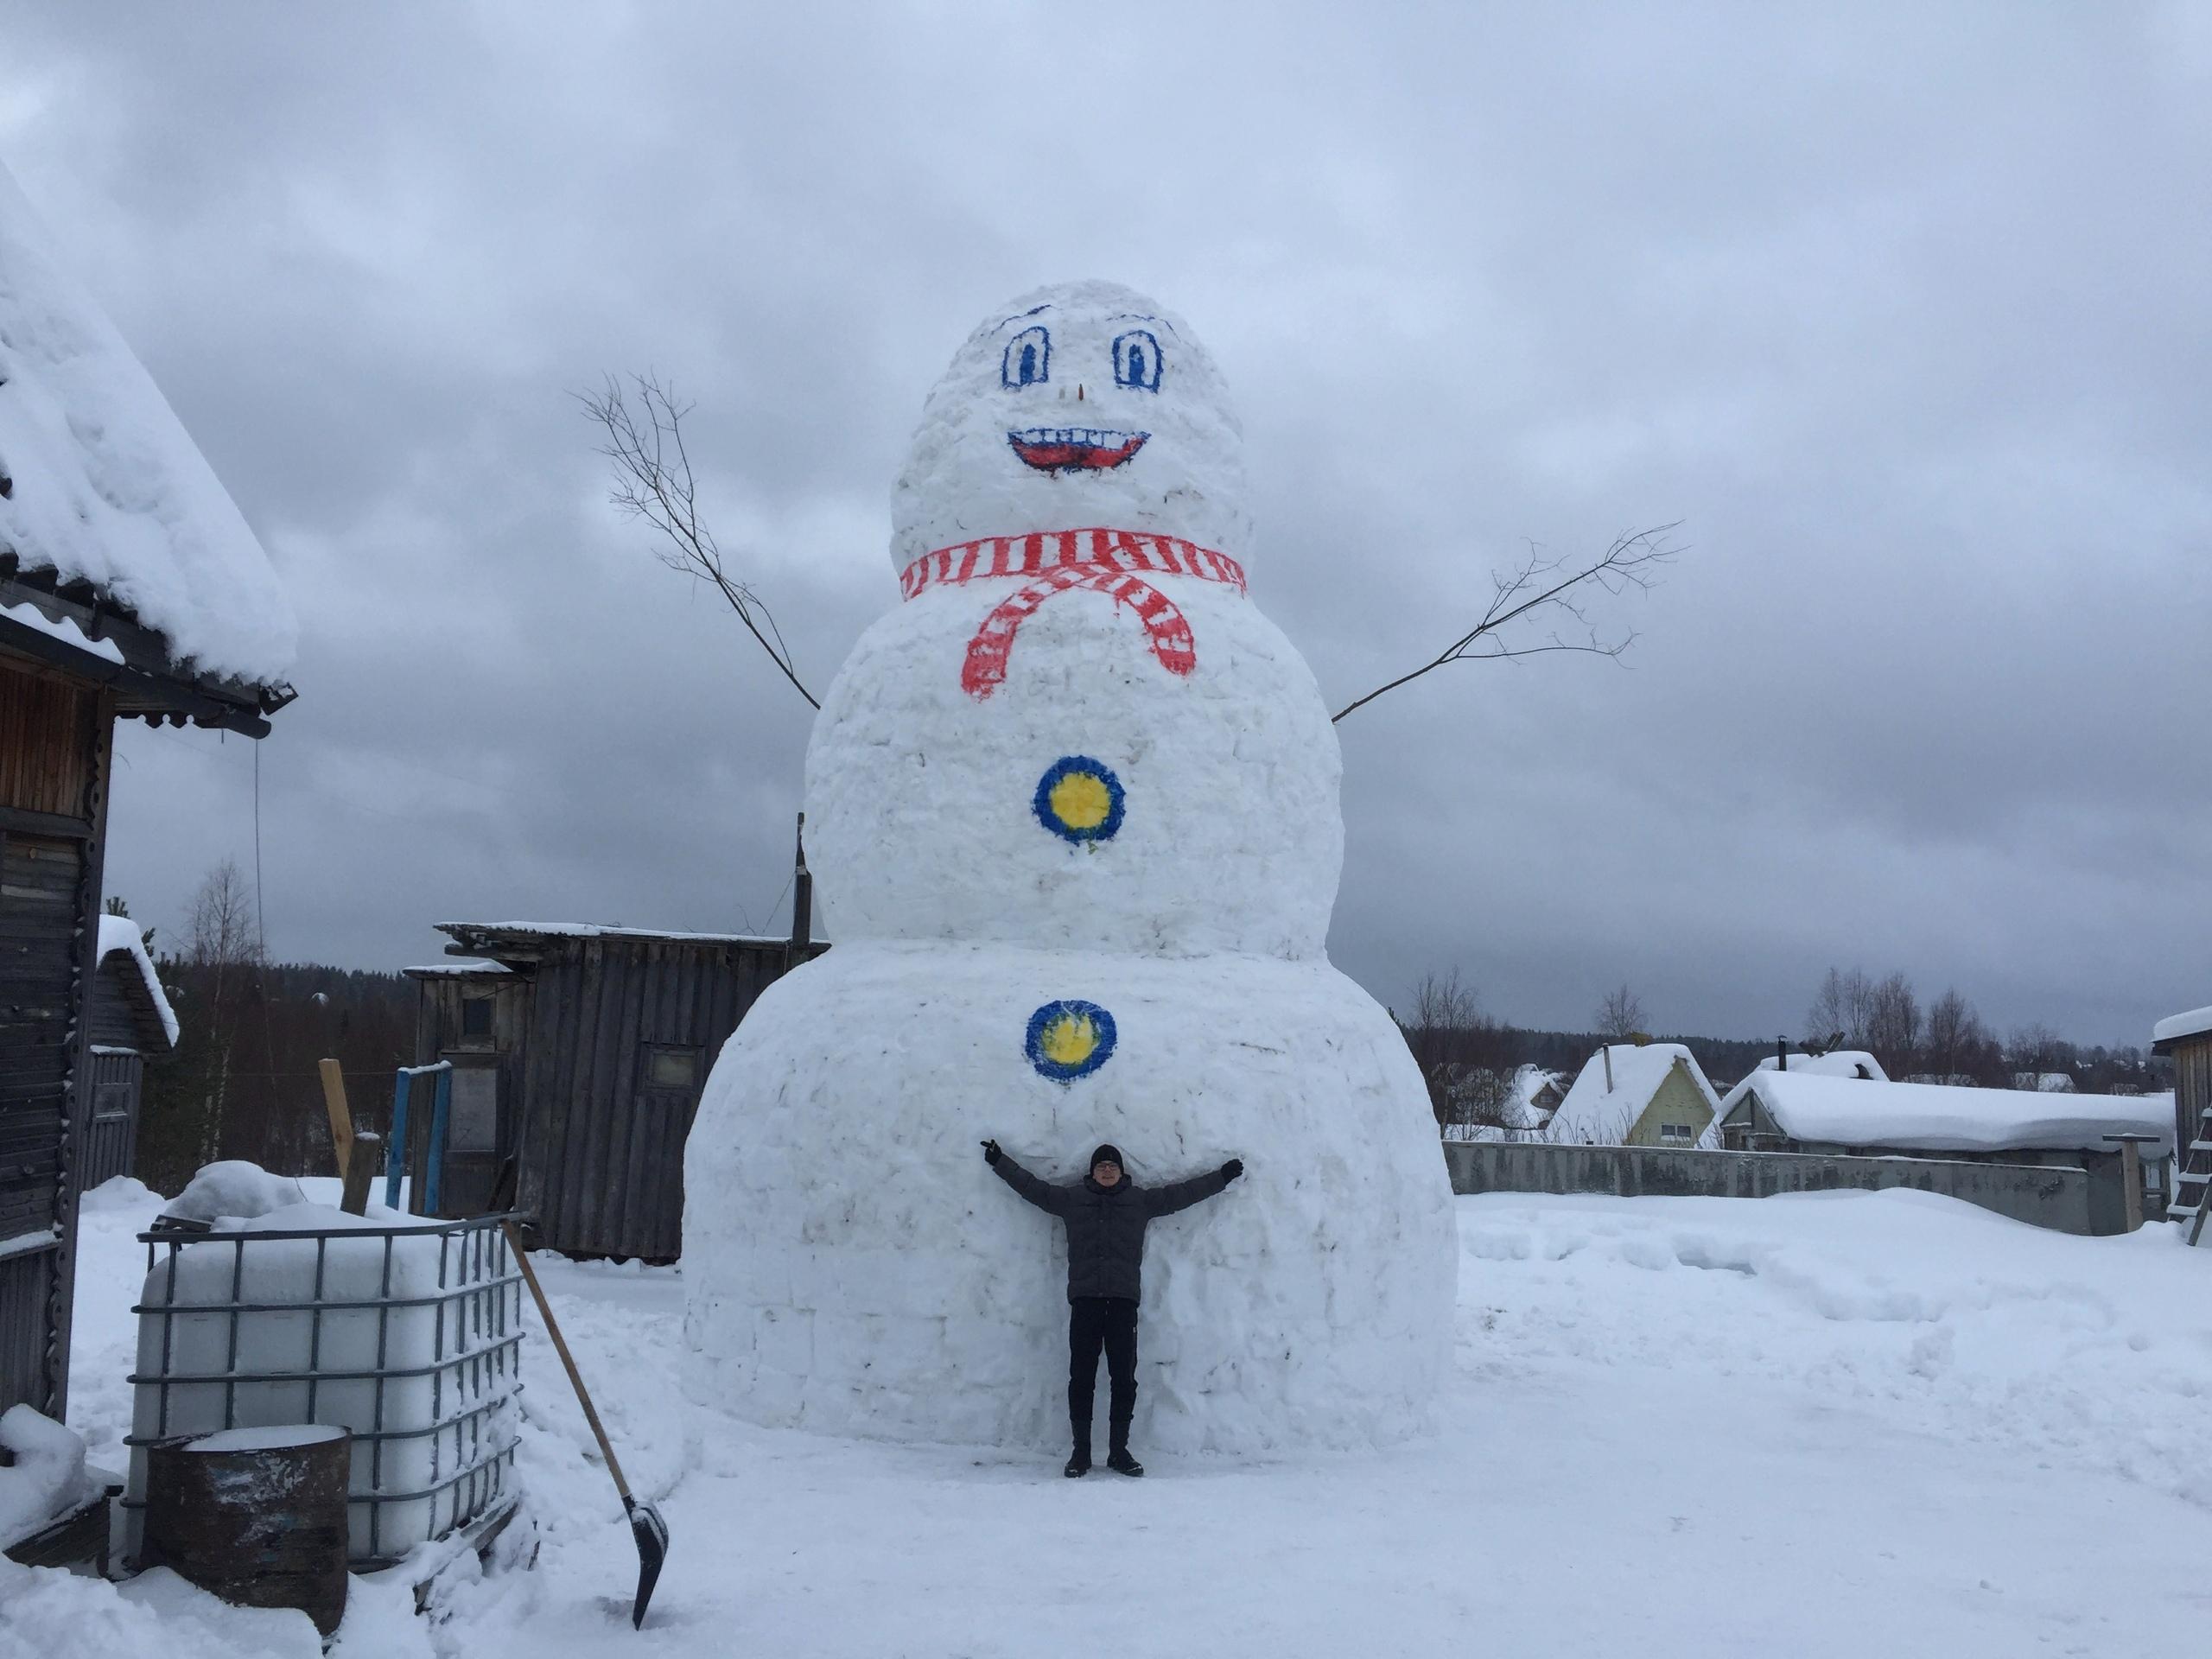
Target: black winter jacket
<point x="1106" y="1224"/>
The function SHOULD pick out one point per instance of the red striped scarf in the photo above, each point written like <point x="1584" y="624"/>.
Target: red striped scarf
<point x="1104" y="561"/>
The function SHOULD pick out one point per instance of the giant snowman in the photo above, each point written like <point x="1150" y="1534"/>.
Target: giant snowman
<point x="1072" y="810"/>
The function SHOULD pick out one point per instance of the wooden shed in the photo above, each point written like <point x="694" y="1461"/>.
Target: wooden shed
<point x="2187" y="1040"/>
<point x="580" y="1051"/>
<point x="131" y="1022"/>
<point x="129" y="587"/>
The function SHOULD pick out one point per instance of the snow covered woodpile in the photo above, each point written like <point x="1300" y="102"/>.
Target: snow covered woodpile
<point x="581" y="1049"/>
<point x="1636" y="1095"/>
<point x="2186" y="1038"/>
<point x="1072" y="811"/>
<point x="129" y="585"/>
<point x="405" y="1333"/>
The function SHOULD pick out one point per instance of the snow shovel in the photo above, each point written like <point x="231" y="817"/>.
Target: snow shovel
<point x="650" y="1531"/>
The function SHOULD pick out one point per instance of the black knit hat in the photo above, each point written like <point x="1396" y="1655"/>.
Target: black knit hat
<point x="1108" y="1154"/>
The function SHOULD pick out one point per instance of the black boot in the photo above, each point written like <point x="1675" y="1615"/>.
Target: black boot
<point x="1117" y="1456"/>
<point x="1079" y="1463"/>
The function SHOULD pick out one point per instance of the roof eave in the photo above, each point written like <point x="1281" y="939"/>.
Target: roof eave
<point x="148" y="683"/>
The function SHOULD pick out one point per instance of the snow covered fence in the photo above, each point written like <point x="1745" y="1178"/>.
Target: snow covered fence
<point x="408" y="1335"/>
<point x="2053" y="1196"/>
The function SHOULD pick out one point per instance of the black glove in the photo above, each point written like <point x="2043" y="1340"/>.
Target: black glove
<point x="991" y="1153"/>
<point x="1233" y="1168"/>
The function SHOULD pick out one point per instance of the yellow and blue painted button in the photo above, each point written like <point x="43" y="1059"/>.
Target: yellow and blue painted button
<point x="1069" y="1039"/>
<point x="1079" y="799"/>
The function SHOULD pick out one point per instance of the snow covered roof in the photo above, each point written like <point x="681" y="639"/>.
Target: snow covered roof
<point x="1836" y="1063"/>
<point x="120" y="933"/>
<point x="455" y="969"/>
<point x="105" y="487"/>
<point x="1528" y="1082"/>
<point x="1595" y="1115"/>
<point x="1942" y="1118"/>
<point x="2175" y="1026"/>
<point x="526" y="942"/>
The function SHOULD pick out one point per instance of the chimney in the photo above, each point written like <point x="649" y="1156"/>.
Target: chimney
<point x="1607" y="1050"/>
<point x="1782" y="1052"/>
<point x="802" y="905"/>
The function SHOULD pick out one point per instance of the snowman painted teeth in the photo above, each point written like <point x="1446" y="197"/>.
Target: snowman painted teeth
<point x="1075" y="449"/>
<point x="1073" y="816"/>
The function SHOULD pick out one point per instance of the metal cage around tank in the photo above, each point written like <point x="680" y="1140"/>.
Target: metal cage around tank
<point x="456" y="1457"/>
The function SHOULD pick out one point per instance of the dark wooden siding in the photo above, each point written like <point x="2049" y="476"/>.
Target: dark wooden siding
<point x="112" y="1136"/>
<point x="441" y="1033"/>
<point x="26" y="1323"/>
<point x="49" y="753"/>
<point x="600" y="1144"/>
<point x="53" y="761"/>
<point x="2192" y="1096"/>
<point x="114" y="1022"/>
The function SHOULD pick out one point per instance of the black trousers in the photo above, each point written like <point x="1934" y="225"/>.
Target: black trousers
<point x="1108" y="1322"/>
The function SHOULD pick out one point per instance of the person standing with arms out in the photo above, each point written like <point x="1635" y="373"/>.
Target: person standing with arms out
<point x="1105" y="1214"/>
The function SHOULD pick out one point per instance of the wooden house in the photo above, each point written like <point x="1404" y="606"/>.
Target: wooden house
<point x="129" y="587"/>
<point x="2186" y="1038"/>
<point x="580" y="1051"/>
<point x="1636" y="1095"/>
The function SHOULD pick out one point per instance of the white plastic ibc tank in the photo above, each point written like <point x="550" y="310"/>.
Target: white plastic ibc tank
<point x="406" y="1335"/>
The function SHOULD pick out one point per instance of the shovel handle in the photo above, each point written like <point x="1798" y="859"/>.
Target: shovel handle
<point x="561" y="1347"/>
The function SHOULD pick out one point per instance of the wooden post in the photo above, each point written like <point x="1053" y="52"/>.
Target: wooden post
<point x="361" y="1171"/>
<point x="341" y="1116"/>
<point x="2130" y="1176"/>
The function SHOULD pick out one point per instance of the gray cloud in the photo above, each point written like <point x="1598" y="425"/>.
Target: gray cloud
<point x="1902" y="314"/>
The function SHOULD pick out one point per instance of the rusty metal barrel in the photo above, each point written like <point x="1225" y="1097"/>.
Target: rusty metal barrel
<point x="254" y="1515"/>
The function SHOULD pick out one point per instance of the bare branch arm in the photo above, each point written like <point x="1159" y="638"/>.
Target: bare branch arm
<point x="653" y="481"/>
<point x="1541" y="583"/>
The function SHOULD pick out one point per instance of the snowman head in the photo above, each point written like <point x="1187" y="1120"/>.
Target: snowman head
<point x="1081" y="405"/>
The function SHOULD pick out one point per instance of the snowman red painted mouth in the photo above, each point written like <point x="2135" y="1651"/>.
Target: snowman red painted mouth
<point x="1075" y="449"/>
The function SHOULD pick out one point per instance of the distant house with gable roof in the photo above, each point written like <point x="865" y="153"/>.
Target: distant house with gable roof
<point x="1636" y="1095"/>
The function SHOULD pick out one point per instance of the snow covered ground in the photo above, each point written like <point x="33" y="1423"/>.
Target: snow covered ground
<point x="1834" y="1424"/>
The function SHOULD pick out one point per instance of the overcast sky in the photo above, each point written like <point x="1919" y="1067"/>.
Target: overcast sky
<point x="1904" y="317"/>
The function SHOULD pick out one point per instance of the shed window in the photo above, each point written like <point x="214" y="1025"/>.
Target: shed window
<point x="671" y="1065"/>
<point x="476" y="1016"/>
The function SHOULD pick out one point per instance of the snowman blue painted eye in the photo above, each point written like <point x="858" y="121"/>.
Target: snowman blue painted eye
<point x="1029" y="360"/>
<point x="1136" y="361"/>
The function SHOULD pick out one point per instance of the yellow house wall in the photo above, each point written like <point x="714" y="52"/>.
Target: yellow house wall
<point x="1675" y="1101"/>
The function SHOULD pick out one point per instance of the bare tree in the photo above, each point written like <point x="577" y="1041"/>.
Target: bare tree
<point x="2034" y="1049"/>
<point x="219" y="933"/>
<point x="1951" y="1048"/>
<point x="1841" y="1011"/>
<point x="1893" y="1024"/>
<point x="222" y="941"/>
<point x="654" y="482"/>
<point x="1459" y="1050"/>
<point x="1546" y="585"/>
<point x="1620" y="1014"/>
